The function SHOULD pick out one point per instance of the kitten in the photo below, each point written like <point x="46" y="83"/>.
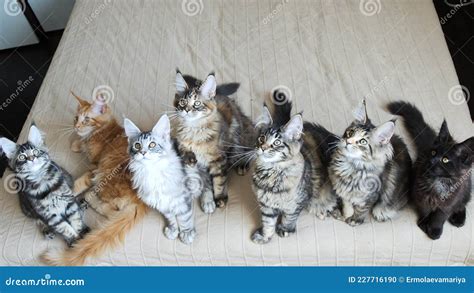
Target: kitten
<point x="159" y="176"/>
<point x="442" y="184"/>
<point x="108" y="189"/>
<point x="287" y="173"/>
<point x="46" y="188"/>
<point x="369" y="169"/>
<point x="212" y="131"/>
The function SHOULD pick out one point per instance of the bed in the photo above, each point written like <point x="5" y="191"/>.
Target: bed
<point x="329" y="53"/>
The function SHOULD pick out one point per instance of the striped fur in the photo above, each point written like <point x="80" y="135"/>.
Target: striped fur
<point x="212" y="131"/>
<point x="45" y="188"/>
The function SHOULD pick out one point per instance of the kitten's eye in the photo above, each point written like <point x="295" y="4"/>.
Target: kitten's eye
<point x="261" y="139"/>
<point x="36" y="152"/>
<point x="182" y="102"/>
<point x="197" y="103"/>
<point x="137" y="146"/>
<point x="277" y="142"/>
<point x="152" y="145"/>
<point x="445" y="160"/>
<point x="86" y="119"/>
<point x="433" y="153"/>
<point x="350" y="133"/>
<point x="363" y="141"/>
<point x="21" y="157"/>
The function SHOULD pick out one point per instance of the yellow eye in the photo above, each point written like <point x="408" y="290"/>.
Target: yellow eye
<point x="152" y="145"/>
<point x="21" y="157"/>
<point x="433" y="153"/>
<point x="261" y="139"/>
<point x="445" y="160"/>
<point x="137" y="146"/>
<point x="363" y="141"/>
<point x="277" y="142"/>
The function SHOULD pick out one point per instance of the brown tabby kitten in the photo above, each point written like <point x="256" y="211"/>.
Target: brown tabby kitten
<point x="105" y="144"/>
<point x="212" y="131"/>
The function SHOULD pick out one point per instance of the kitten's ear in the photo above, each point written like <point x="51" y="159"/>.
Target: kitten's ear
<point x="181" y="84"/>
<point x="82" y="102"/>
<point x="208" y="87"/>
<point x="444" y="135"/>
<point x="294" y="128"/>
<point x="8" y="147"/>
<point x="383" y="133"/>
<point x="131" y="130"/>
<point x="35" y="136"/>
<point x="360" y="113"/>
<point x="265" y="119"/>
<point x="465" y="150"/>
<point x="162" y="127"/>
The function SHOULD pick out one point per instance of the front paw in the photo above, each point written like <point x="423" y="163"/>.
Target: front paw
<point x="337" y="214"/>
<point x="353" y="221"/>
<point x="171" y="232"/>
<point x="189" y="158"/>
<point x="187" y="237"/>
<point x="458" y="219"/>
<point x="259" y="238"/>
<point x="208" y="207"/>
<point x="76" y="146"/>
<point x="283" y="231"/>
<point x="432" y="232"/>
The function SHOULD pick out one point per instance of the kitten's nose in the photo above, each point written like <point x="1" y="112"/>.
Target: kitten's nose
<point x="30" y="158"/>
<point x="143" y="153"/>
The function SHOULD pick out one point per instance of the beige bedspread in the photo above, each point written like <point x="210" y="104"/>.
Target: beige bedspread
<point x="329" y="53"/>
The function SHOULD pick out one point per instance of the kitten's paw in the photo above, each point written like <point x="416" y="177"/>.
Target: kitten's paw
<point x="354" y="221"/>
<point x="49" y="234"/>
<point x="76" y="146"/>
<point x="242" y="170"/>
<point x="382" y="214"/>
<point x="258" y="238"/>
<point x="208" y="207"/>
<point x="283" y="231"/>
<point x="221" y="201"/>
<point x="171" y="232"/>
<point x="458" y="219"/>
<point x="187" y="237"/>
<point x="189" y="158"/>
<point x="432" y="232"/>
<point x="337" y="214"/>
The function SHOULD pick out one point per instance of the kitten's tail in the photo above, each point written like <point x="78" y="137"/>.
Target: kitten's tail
<point x="227" y="89"/>
<point x="111" y="234"/>
<point x="282" y="106"/>
<point x="421" y="133"/>
<point x="325" y="139"/>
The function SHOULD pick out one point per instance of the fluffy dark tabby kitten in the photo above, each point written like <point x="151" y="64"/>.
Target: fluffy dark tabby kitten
<point x="369" y="168"/>
<point x="211" y="130"/>
<point x="45" y="189"/>
<point x="287" y="173"/>
<point x="442" y="185"/>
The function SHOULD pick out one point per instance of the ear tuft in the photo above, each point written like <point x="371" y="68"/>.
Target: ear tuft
<point x="360" y="113"/>
<point x="294" y="128"/>
<point x="131" y="130"/>
<point x="35" y="136"/>
<point x="208" y="87"/>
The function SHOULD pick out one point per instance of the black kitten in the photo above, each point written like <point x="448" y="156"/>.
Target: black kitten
<point x="442" y="185"/>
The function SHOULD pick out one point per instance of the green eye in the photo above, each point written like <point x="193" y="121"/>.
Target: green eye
<point x="445" y="160"/>
<point x="21" y="157"/>
<point x="277" y="142"/>
<point x="433" y="153"/>
<point x="152" y="145"/>
<point x="137" y="146"/>
<point x="363" y="141"/>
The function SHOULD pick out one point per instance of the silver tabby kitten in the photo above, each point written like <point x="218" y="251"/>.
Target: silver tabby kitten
<point x="160" y="178"/>
<point x="287" y="174"/>
<point x="45" y="188"/>
<point x="370" y="170"/>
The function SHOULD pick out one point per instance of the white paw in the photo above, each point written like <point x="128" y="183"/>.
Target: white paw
<point x="171" y="232"/>
<point x="382" y="215"/>
<point x="187" y="237"/>
<point x="208" y="207"/>
<point x="258" y="238"/>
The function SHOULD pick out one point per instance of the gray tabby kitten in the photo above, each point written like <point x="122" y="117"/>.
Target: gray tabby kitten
<point x="370" y="170"/>
<point x="287" y="173"/>
<point x="45" y="188"/>
<point x="160" y="178"/>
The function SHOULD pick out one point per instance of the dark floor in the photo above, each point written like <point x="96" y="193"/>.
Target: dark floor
<point x="32" y="62"/>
